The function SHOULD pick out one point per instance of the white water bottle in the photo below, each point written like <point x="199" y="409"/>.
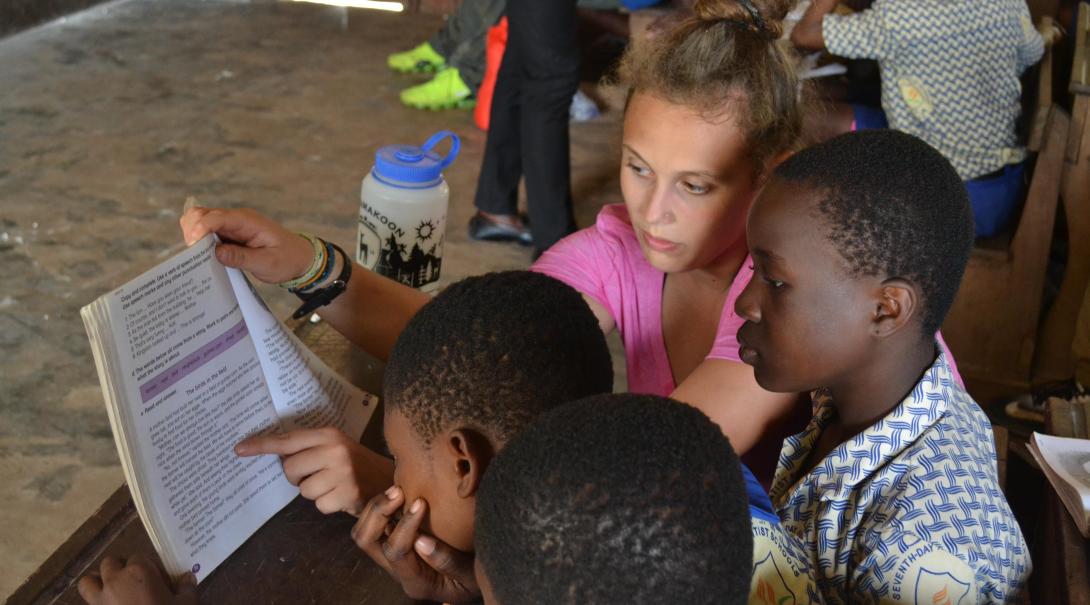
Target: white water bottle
<point x="403" y="212"/>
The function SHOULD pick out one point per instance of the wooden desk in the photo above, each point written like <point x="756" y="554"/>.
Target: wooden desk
<point x="299" y="557"/>
<point x="1065" y="557"/>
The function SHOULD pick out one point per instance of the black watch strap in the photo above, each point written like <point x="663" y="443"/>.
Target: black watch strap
<point x="324" y="296"/>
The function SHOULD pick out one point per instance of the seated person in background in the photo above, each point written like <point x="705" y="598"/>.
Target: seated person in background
<point x="859" y="245"/>
<point x="615" y="499"/>
<point x="950" y="74"/>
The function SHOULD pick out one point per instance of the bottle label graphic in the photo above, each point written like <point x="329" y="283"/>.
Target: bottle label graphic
<point x="409" y="251"/>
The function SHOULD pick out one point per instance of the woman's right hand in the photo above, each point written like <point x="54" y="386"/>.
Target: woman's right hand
<point x="251" y="241"/>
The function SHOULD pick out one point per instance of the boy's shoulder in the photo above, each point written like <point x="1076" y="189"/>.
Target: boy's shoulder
<point x="941" y="443"/>
<point x="912" y="495"/>
<point x="937" y="505"/>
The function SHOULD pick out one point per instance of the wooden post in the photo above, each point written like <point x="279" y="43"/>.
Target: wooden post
<point x="1053" y="360"/>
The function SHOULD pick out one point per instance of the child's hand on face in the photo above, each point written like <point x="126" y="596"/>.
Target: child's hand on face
<point x="335" y="472"/>
<point x="426" y="568"/>
<point x="139" y="581"/>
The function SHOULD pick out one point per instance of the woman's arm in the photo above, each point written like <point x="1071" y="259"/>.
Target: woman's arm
<point x="807" y="34"/>
<point x="371" y="312"/>
<point x="729" y="394"/>
<point x="601" y="313"/>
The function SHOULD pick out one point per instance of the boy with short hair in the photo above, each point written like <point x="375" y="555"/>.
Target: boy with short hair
<point x="859" y="246"/>
<point x="472" y="369"/>
<point x="950" y="75"/>
<point x="615" y="499"/>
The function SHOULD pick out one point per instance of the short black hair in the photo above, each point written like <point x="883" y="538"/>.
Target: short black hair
<point x="495" y="351"/>
<point x="626" y="499"/>
<point x="895" y="207"/>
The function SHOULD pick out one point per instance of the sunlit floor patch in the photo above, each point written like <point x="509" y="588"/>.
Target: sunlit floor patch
<point x="395" y="7"/>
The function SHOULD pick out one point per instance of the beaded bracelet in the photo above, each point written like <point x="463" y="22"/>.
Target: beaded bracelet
<point x="316" y="265"/>
<point x="331" y="261"/>
<point x="324" y="295"/>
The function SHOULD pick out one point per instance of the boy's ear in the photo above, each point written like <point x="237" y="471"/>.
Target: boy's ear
<point x="896" y="304"/>
<point x="469" y="453"/>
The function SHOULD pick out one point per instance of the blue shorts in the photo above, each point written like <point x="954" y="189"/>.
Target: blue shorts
<point x="995" y="198"/>
<point x="868" y="118"/>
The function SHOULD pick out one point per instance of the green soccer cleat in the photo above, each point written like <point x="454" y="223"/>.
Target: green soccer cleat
<point x="445" y="91"/>
<point x="421" y="59"/>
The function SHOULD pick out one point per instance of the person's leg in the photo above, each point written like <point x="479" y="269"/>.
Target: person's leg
<point x="461" y="42"/>
<point x="466" y="28"/>
<point x="863" y="117"/>
<point x="466" y="39"/>
<point x="545" y="35"/>
<point x="469" y="23"/>
<point x="995" y="199"/>
<point x="501" y="169"/>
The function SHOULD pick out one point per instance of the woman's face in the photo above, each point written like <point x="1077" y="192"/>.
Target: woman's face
<point x="687" y="182"/>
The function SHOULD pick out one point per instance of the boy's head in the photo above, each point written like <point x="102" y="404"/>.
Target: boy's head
<point x="471" y="370"/>
<point x="859" y="246"/>
<point x="626" y="499"/>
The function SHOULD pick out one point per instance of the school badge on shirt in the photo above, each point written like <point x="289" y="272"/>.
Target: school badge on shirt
<point x="916" y="97"/>
<point x="769" y="585"/>
<point x="933" y="577"/>
<point x="781" y="572"/>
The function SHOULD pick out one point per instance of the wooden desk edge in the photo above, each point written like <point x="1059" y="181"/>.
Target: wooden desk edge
<point x="1075" y="567"/>
<point x="72" y="558"/>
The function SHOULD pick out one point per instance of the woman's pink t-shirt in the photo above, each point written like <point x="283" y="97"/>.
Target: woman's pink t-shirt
<point x="605" y="263"/>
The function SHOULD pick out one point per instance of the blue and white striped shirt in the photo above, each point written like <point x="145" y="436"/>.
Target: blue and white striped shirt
<point x="909" y="510"/>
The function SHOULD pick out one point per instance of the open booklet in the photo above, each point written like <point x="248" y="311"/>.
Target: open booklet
<point x="191" y="361"/>
<point x="1066" y="463"/>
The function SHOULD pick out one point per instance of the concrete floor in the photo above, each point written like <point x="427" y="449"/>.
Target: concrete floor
<point x="110" y="119"/>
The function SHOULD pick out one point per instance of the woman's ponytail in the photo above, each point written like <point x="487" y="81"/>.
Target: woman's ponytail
<point x="726" y="59"/>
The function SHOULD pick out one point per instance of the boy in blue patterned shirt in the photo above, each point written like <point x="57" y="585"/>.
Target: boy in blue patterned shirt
<point x="950" y="72"/>
<point x="859" y="245"/>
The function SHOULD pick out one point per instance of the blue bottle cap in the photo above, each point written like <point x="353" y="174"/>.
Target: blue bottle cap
<point x="410" y="164"/>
